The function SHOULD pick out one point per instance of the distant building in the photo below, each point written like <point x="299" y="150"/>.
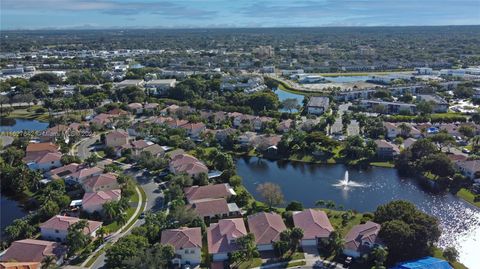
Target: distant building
<point x="386" y="150"/>
<point x="380" y="106"/>
<point x="160" y="86"/>
<point x="318" y="105"/>
<point x="130" y="83"/>
<point x="439" y="104"/>
<point x="423" y="71"/>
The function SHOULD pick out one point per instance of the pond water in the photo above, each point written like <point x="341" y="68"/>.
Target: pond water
<point x="9" y="211"/>
<point x="307" y="183"/>
<point x="346" y="79"/>
<point x="282" y="95"/>
<point x="22" y="124"/>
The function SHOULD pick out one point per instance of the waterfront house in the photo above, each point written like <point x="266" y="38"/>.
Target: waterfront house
<point x="469" y="169"/>
<point x="185" y="163"/>
<point x="315" y="225"/>
<point x="222" y="236"/>
<point x="266" y="227"/>
<point x="187" y="243"/>
<point x="43" y="160"/>
<point x="361" y="239"/>
<point x="56" y="228"/>
<point x="386" y="150"/>
<point x="32" y="250"/>
<point x="195" y="193"/>
<point x="215" y="208"/>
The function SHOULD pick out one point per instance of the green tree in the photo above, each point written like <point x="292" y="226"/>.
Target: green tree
<point x="451" y="254"/>
<point x="290" y="104"/>
<point x="76" y="238"/>
<point x="271" y="193"/>
<point x="294" y="206"/>
<point x="124" y="249"/>
<point x="247" y="249"/>
<point x="335" y="242"/>
<point x="380" y="255"/>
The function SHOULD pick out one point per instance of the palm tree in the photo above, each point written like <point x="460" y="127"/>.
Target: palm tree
<point x="330" y="204"/>
<point x="111" y="210"/>
<point x="335" y="242"/>
<point x="122" y="219"/>
<point x="380" y="255"/>
<point x="102" y="232"/>
<point x="295" y="236"/>
<point x="48" y="262"/>
<point x="320" y="203"/>
<point x="404" y="129"/>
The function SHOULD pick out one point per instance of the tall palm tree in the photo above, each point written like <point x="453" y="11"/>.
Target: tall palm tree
<point x="404" y="129"/>
<point x="122" y="219"/>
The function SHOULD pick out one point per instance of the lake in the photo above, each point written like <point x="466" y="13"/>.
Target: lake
<point x="9" y="211"/>
<point x="22" y="124"/>
<point x="347" y="79"/>
<point x="282" y="95"/>
<point x="307" y="183"/>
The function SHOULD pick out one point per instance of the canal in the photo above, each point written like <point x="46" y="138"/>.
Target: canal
<point x="307" y="183"/>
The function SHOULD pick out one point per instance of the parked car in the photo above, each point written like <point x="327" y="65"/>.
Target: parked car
<point x="465" y="150"/>
<point x="347" y="262"/>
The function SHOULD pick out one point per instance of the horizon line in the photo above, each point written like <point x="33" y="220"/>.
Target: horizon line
<point x="79" y="28"/>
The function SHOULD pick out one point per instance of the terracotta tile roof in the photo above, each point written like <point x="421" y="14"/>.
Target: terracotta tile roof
<point x="150" y="105"/>
<point x="42" y="157"/>
<point x="194" y="193"/>
<point x="31" y="250"/>
<point x="176" y="123"/>
<point x="193" y="126"/>
<point x="220" y="235"/>
<point x="86" y="172"/>
<point x="266" y="227"/>
<point x="135" y="105"/>
<point x="140" y="144"/>
<point x="185" y="163"/>
<point x="65" y="170"/>
<point x="100" y="180"/>
<point x="20" y="265"/>
<point x="100" y="197"/>
<point x="117" y="111"/>
<point x="182" y="238"/>
<point x="367" y="232"/>
<point x="48" y="146"/>
<point x="210" y="207"/>
<point x="314" y="223"/>
<point x="102" y="118"/>
<point x="117" y="134"/>
<point x="62" y="223"/>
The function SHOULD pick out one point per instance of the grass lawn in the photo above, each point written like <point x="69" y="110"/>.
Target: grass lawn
<point x="383" y="164"/>
<point x="294" y="256"/>
<point x="101" y="153"/>
<point x="256" y="262"/>
<point x="468" y="196"/>
<point x="438" y="253"/>
<point x="29" y="114"/>
<point x="295" y="263"/>
<point x="114" y="226"/>
<point x="335" y="217"/>
<point x="142" y="208"/>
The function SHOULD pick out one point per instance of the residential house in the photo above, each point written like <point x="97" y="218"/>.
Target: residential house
<point x="103" y="119"/>
<point x="176" y="123"/>
<point x="260" y="122"/>
<point x="130" y="83"/>
<point x="185" y="163"/>
<point x="317" y="105"/>
<point x="101" y="182"/>
<point x="169" y="110"/>
<point x="32" y="250"/>
<point x="361" y="239"/>
<point x="215" y="208"/>
<point x="116" y="139"/>
<point x="266" y="227"/>
<point x="386" y="150"/>
<point x="285" y="125"/>
<point x="155" y="149"/>
<point x="222" y="236"/>
<point x="150" y="107"/>
<point x="194" y="129"/>
<point x="223" y="134"/>
<point x="469" y="169"/>
<point x="315" y="225"/>
<point x="187" y="243"/>
<point x="63" y="171"/>
<point x="394" y="130"/>
<point x="407" y="143"/>
<point x="43" y="160"/>
<point x="346" y="96"/>
<point x="93" y="201"/>
<point x="56" y="132"/>
<point x="195" y="193"/>
<point x="83" y="173"/>
<point x="56" y="228"/>
<point x="136" y="108"/>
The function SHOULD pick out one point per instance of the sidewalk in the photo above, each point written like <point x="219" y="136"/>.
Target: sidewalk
<point x="112" y="238"/>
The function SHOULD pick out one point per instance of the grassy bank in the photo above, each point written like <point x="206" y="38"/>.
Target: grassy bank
<point x="29" y="113"/>
<point x="468" y="196"/>
<point x="438" y="253"/>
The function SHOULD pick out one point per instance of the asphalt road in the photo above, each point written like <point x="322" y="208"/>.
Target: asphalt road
<point x="83" y="148"/>
<point x="154" y="203"/>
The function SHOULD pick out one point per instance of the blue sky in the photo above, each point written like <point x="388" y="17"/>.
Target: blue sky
<point x="38" y="14"/>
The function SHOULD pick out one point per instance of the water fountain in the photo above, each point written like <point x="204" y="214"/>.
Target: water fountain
<point x="346" y="183"/>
